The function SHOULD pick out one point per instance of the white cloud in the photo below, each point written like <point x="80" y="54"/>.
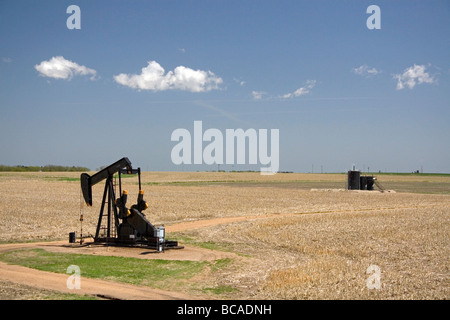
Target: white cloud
<point x="412" y="76"/>
<point x="301" y="91"/>
<point x="153" y="77"/>
<point x="60" y="68"/>
<point x="365" y="70"/>
<point x="6" y="60"/>
<point x="257" y="95"/>
<point x="239" y="81"/>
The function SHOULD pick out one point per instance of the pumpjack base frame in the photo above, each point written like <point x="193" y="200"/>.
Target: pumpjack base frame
<point x="166" y="245"/>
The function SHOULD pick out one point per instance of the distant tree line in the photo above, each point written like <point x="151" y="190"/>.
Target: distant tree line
<point x="47" y="168"/>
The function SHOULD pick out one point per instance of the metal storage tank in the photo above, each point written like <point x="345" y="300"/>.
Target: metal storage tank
<point x="363" y="182"/>
<point x="354" y="180"/>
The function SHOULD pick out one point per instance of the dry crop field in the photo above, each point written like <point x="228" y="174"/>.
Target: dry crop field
<point x="294" y="236"/>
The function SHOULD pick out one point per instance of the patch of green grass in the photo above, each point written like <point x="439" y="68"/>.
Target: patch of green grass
<point x="193" y="183"/>
<point x="221" y="264"/>
<point x="67" y="179"/>
<point x="125" y="176"/>
<point x="224" y="247"/>
<point x="220" y="289"/>
<point x="202" y="244"/>
<point x="409" y="174"/>
<point x="424" y="187"/>
<point x="68" y="296"/>
<point x="154" y="273"/>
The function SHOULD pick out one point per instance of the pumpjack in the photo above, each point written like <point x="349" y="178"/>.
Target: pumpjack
<point x="124" y="226"/>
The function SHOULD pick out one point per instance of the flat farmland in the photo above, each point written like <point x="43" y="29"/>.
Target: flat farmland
<point x="284" y="236"/>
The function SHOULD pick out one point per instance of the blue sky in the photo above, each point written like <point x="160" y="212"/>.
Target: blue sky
<point x="339" y="93"/>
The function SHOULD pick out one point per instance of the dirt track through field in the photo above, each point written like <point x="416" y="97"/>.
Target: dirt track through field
<point x="115" y="290"/>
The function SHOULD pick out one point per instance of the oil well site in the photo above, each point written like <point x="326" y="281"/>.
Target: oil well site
<point x="224" y="235"/>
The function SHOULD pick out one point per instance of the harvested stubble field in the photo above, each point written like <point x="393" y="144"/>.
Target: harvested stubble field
<point x="296" y="236"/>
